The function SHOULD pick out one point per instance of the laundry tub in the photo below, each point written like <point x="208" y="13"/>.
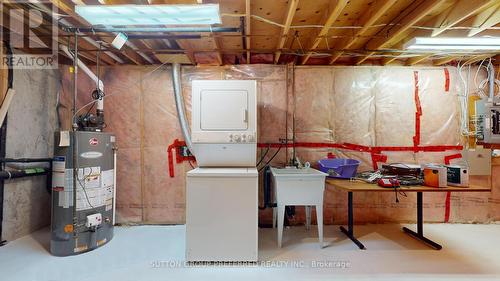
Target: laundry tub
<point x="298" y="187"/>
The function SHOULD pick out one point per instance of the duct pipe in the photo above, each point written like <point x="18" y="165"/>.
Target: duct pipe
<point x="179" y="104"/>
<point x="152" y="29"/>
<point x="82" y="66"/>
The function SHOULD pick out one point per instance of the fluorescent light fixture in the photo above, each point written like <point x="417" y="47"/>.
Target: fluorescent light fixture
<point x="119" y="15"/>
<point x="119" y="40"/>
<point x="454" y="43"/>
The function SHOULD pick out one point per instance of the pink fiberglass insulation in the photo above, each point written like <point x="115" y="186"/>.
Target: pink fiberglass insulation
<point x="370" y="106"/>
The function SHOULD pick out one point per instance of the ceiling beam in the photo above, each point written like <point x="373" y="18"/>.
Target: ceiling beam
<point x="388" y="60"/>
<point x="417" y="59"/>
<point x="217" y="50"/>
<point x="445" y="60"/>
<point x="367" y="19"/>
<point x="43" y="33"/>
<point x="64" y="6"/>
<point x="486" y="19"/>
<point x="334" y="14"/>
<point x="394" y="33"/>
<point x="460" y="11"/>
<point x="248" y="28"/>
<point x="475" y="59"/>
<point x="292" y="8"/>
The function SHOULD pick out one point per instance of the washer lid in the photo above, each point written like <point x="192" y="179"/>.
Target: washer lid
<point x="223" y="172"/>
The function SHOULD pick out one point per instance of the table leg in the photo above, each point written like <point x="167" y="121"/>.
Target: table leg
<point x="350" y="223"/>
<point x="420" y="225"/>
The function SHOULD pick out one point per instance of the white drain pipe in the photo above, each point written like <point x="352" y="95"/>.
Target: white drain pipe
<point x="83" y="66"/>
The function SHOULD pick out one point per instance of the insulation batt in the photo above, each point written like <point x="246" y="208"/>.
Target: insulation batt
<point x="367" y="105"/>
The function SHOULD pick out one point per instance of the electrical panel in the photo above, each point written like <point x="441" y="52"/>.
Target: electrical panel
<point x="487" y="121"/>
<point x="492" y="124"/>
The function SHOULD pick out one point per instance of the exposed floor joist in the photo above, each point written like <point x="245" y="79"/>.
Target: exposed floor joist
<point x="394" y="34"/>
<point x="248" y="30"/>
<point x="67" y="8"/>
<point x="292" y="7"/>
<point x="415" y="60"/>
<point x="334" y="14"/>
<point x="445" y="60"/>
<point x="486" y="19"/>
<point x="369" y="17"/>
<point x="460" y="11"/>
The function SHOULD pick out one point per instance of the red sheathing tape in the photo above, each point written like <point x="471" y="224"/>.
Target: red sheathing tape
<point x="378" y="158"/>
<point x="447" y="204"/>
<point x="446" y="80"/>
<point x="177" y="145"/>
<point x="363" y="148"/>
<point x="418" y="113"/>
<point x="448" y="158"/>
<point x="171" y="160"/>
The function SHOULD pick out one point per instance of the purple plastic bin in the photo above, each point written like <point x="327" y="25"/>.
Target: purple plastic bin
<point x="339" y="167"/>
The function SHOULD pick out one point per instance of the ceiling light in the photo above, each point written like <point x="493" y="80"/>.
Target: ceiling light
<point x="454" y="43"/>
<point x="118" y="15"/>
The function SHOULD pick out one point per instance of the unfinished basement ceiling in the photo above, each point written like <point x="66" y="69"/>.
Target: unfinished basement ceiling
<point x="307" y="32"/>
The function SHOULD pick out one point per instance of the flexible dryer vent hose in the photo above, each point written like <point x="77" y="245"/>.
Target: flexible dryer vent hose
<point x="179" y="104"/>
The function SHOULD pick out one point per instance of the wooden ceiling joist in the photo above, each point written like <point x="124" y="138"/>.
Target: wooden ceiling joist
<point x="268" y="25"/>
<point x="248" y="30"/>
<point x="445" y="60"/>
<point x="334" y="14"/>
<point x="417" y="59"/>
<point x="292" y="7"/>
<point x="460" y="11"/>
<point x="486" y="19"/>
<point x="394" y="33"/>
<point x="66" y="7"/>
<point x="369" y="17"/>
<point x="478" y="58"/>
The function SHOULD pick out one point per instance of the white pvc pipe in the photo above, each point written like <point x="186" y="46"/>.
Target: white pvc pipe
<point x="82" y="66"/>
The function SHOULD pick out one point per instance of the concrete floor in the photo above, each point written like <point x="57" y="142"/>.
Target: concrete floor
<point x="471" y="252"/>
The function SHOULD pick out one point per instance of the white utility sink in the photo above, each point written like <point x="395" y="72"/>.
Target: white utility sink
<point x="294" y="172"/>
<point x="298" y="187"/>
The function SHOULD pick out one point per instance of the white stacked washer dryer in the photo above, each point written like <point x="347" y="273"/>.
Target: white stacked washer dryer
<point x="222" y="194"/>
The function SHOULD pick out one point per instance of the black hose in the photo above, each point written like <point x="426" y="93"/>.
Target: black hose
<point x="264" y="155"/>
<point x="5" y="175"/>
<point x="269" y="161"/>
<point x="24" y="160"/>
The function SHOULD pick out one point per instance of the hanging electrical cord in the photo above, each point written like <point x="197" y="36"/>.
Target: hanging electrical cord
<point x="124" y="87"/>
<point x="463" y="100"/>
<point x="264" y="155"/>
<point x="482" y="87"/>
<point x="271" y="159"/>
<point x="262" y="19"/>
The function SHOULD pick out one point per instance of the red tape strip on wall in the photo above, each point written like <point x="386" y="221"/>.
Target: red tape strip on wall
<point x="363" y="148"/>
<point x="446" y="80"/>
